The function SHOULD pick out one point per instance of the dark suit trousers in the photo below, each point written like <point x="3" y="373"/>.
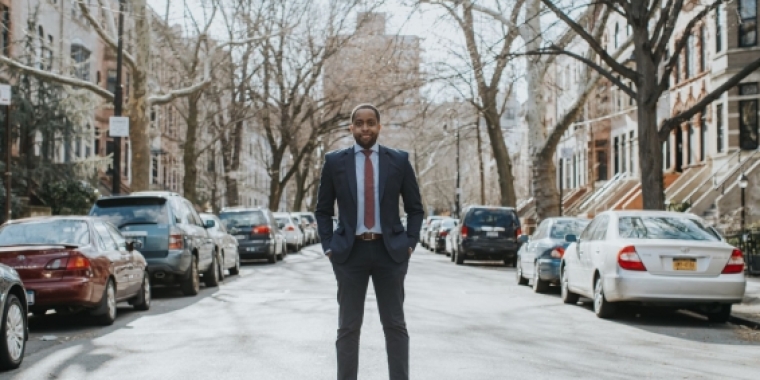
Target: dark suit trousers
<point x="371" y="259"/>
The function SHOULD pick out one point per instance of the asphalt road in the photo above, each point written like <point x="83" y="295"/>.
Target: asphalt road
<point x="466" y="322"/>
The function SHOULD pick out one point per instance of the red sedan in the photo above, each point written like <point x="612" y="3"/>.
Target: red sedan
<point x="75" y="264"/>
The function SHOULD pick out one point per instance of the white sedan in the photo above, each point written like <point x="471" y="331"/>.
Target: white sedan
<point x="652" y="258"/>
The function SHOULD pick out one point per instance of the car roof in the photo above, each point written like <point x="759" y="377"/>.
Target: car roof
<point x="639" y="213"/>
<point x="490" y="207"/>
<point x="241" y="208"/>
<point x="57" y="217"/>
<point x="155" y="194"/>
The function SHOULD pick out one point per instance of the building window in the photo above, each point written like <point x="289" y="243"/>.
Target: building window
<point x="748" y="117"/>
<point x="747" y="23"/>
<point x="617" y="35"/>
<point x="688" y="56"/>
<point x="601" y="165"/>
<point x="719" y="126"/>
<point x="691" y="144"/>
<point x="154" y="169"/>
<point x="624" y="150"/>
<point x="111" y="81"/>
<point x="81" y="57"/>
<point x="6" y="30"/>
<point x="666" y="150"/>
<point x="718" y="30"/>
<point x="702" y="50"/>
<point x="703" y="135"/>
<point x="616" y="155"/>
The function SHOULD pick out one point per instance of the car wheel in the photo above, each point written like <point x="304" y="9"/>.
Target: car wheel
<point x="519" y="276"/>
<point x="567" y="296"/>
<point x="721" y="315"/>
<point x="460" y="259"/>
<point x="142" y="301"/>
<point x="192" y="284"/>
<point x="211" y="277"/>
<point x="235" y="270"/>
<point x="602" y="307"/>
<point x="105" y="314"/>
<point x="14" y="330"/>
<point x="539" y="285"/>
<point x="453" y="255"/>
<point x="272" y="256"/>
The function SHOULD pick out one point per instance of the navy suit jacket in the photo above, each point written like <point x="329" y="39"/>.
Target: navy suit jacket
<point x="396" y="178"/>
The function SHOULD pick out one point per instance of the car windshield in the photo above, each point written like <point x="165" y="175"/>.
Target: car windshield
<point x="74" y="232"/>
<point x="135" y="210"/>
<point x="663" y="227"/>
<point x="562" y="228"/>
<point x="435" y="224"/>
<point x="242" y="219"/>
<point x="490" y="218"/>
<point x="282" y="221"/>
<point x="308" y="217"/>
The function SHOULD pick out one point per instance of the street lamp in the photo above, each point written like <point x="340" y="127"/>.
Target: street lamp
<point x="451" y="113"/>
<point x="743" y="185"/>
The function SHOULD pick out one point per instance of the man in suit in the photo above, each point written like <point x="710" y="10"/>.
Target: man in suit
<point x="370" y="241"/>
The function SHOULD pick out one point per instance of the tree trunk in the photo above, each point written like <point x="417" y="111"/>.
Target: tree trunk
<point x="189" y="156"/>
<point x="480" y="163"/>
<point x="275" y="193"/>
<point x="138" y="106"/>
<point x="501" y="156"/>
<point x="544" y="181"/>
<point x="301" y="177"/>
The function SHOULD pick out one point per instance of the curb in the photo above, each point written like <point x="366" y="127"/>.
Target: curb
<point x="738" y="320"/>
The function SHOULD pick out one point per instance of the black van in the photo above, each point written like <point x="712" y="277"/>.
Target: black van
<point x="489" y="233"/>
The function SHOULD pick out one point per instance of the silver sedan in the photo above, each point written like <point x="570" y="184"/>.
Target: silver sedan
<point x="652" y="258"/>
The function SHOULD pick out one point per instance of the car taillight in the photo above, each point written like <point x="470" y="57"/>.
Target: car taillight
<point x="518" y="232"/>
<point x="735" y="263"/>
<point x="261" y="230"/>
<point x="558" y="252"/>
<point x="176" y="242"/>
<point x="465" y="230"/>
<point x="290" y="228"/>
<point x="444" y="233"/>
<point x="78" y="262"/>
<point x="628" y="259"/>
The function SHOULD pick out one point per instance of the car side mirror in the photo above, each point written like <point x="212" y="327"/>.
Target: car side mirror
<point x="209" y="224"/>
<point x="130" y="246"/>
<point x="523" y="239"/>
<point x="571" y="238"/>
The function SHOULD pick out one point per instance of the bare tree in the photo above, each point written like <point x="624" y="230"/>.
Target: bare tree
<point x="653" y="27"/>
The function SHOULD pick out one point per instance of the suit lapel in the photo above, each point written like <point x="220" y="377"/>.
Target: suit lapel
<point x="350" y="164"/>
<point x="384" y="159"/>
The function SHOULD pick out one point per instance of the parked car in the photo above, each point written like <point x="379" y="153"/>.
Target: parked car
<point x="294" y="236"/>
<point x="431" y="233"/>
<point x="652" y="258"/>
<point x="441" y="233"/>
<point x="75" y="264"/>
<point x="225" y="245"/>
<point x="424" y="228"/>
<point x="452" y="241"/>
<point x="14" y="318"/>
<point x="256" y="231"/>
<point x="489" y="233"/>
<point x="169" y="233"/>
<point x="540" y="255"/>
<point x="309" y="226"/>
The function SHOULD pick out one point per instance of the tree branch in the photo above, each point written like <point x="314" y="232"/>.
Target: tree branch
<point x="42" y="74"/>
<point x="112" y="43"/>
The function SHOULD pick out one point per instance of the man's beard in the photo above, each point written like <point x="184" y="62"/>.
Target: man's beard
<point x="370" y="144"/>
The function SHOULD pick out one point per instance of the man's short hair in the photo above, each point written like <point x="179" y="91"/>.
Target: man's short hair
<point x="365" y="106"/>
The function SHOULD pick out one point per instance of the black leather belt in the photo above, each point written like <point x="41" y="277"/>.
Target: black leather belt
<point x="368" y="236"/>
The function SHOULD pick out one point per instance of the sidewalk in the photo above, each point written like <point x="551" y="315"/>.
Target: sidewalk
<point x="749" y="309"/>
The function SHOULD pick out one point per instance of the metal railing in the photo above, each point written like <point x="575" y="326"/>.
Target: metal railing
<point x="602" y="190"/>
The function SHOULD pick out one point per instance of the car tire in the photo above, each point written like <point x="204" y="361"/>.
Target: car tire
<point x="211" y="277"/>
<point x="105" y="314"/>
<point x="602" y="307"/>
<point x="235" y="270"/>
<point x="453" y="255"/>
<point x="459" y="259"/>
<point x="142" y="300"/>
<point x="720" y="316"/>
<point x="191" y="285"/>
<point x="566" y="294"/>
<point x="519" y="276"/>
<point x="539" y="285"/>
<point x="272" y="256"/>
<point x="14" y="332"/>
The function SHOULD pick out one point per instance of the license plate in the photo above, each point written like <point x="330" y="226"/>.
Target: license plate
<point x="685" y="264"/>
<point x="251" y="249"/>
<point x="30" y="297"/>
<point x="240" y="237"/>
<point x="492" y="234"/>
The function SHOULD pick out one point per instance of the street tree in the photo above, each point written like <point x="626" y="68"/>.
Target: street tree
<point x="656" y="54"/>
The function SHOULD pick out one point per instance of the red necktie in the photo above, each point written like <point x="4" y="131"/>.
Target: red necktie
<point x="369" y="191"/>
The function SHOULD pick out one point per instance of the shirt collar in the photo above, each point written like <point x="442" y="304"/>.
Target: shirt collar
<point x="375" y="148"/>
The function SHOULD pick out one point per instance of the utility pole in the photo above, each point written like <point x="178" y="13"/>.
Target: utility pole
<point x="5" y="99"/>
<point x="459" y="188"/>
<point x="118" y="102"/>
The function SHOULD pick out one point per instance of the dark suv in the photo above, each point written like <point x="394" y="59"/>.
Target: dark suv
<point x="168" y="231"/>
<point x="489" y="233"/>
<point x="256" y="231"/>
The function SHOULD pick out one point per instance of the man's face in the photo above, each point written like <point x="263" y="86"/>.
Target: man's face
<point x="365" y="128"/>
